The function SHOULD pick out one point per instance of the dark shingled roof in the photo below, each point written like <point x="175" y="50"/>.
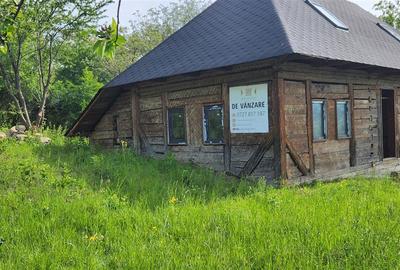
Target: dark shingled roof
<point x="232" y="32"/>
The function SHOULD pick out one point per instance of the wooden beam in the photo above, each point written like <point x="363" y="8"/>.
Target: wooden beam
<point x="310" y="127"/>
<point x="144" y="142"/>
<point x="164" y="103"/>
<point x="396" y="122"/>
<point x="257" y="156"/>
<point x="135" y="122"/>
<point x="353" y="150"/>
<point x="227" y="131"/>
<point x="278" y="105"/>
<point x="297" y="159"/>
<point x="380" y="121"/>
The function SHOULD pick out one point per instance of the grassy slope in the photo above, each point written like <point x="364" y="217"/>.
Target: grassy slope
<point x="68" y="205"/>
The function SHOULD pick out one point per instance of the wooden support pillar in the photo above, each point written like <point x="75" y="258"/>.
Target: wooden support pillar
<point x="396" y="122"/>
<point x="136" y="122"/>
<point x="380" y="124"/>
<point x="227" y="129"/>
<point x="353" y="152"/>
<point x="278" y="104"/>
<point x="310" y="135"/>
<point x="164" y="103"/>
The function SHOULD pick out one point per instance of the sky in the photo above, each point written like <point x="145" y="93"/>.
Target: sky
<point x="128" y="7"/>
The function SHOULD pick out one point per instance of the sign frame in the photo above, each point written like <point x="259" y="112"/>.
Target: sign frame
<point x="249" y="108"/>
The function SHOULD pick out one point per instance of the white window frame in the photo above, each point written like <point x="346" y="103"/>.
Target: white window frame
<point x="348" y="119"/>
<point x="325" y="118"/>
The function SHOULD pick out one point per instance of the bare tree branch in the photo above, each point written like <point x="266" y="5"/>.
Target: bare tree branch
<point x="118" y="13"/>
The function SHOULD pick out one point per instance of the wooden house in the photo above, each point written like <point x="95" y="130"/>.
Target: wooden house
<point x="273" y="88"/>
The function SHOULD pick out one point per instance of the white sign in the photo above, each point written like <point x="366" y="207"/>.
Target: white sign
<point x="249" y="109"/>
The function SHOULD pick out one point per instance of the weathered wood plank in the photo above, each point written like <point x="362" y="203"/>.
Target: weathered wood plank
<point x="150" y="103"/>
<point x="296" y="158"/>
<point x="310" y="127"/>
<point x="329" y="90"/>
<point x="227" y="132"/>
<point x="196" y="92"/>
<point x="258" y="155"/>
<point x="152" y="117"/>
<point x="280" y="136"/>
<point x="353" y="150"/>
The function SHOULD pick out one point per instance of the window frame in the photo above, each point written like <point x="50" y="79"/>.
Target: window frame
<point x="325" y="111"/>
<point x="328" y="15"/>
<point x="390" y="30"/>
<point x="176" y="143"/>
<point x="204" y="127"/>
<point x="348" y="118"/>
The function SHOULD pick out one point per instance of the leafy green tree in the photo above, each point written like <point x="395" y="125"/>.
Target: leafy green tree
<point x="74" y="80"/>
<point x="70" y="98"/>
<point x="77" y="71"/>
<point x="42" y="28"/>
<point x="390" y="10"/>
<point x="9" y="11"/>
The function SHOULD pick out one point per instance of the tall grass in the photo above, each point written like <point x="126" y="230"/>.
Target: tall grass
<point x="72" y="206"/>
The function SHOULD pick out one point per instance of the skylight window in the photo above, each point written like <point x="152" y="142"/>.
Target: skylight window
<point x="390" y="30"/>
<point x="328" y="15"/>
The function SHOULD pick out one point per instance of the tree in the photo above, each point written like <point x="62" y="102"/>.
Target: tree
<point x="42" y="27"/>
<point x="70" y="98"/>
<point x="59" y="93"/>
<point x="9" y="11"/>
<point x="150" y="29"/>
<point x="77" y="79"/>
<point x="390" y="12"/>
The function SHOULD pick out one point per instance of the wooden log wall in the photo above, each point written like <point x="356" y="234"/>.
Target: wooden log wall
<point x="153" y="121"/>
<point x="364" y="92"/>
<point x="331" y="154"/>
<point x="241" y="155"/>
<point x="211" y="156"/>
<point x="366" y="124"/>
<point x="296" y="127"/>
<point x="397" y="119"/>
<point x="247" y="149"/>
<point x="104" y="133"/>
<point x="152" y="125"/>
<point x="289" y="150"/>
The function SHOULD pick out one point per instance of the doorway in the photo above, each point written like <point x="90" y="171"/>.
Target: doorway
<point x="388" y="124"/>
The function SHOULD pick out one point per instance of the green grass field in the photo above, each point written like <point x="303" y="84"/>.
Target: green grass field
<point x="71" y="206"/>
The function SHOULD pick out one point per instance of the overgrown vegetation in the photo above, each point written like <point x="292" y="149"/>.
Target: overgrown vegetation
<point x="49" y="53"/>
<point x="69" y="205"/>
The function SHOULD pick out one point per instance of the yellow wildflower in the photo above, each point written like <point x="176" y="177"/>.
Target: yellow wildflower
<point x="173" y="200"/>
<point x="96" y="237"/>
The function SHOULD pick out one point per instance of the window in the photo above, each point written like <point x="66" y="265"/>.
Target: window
<point x="176" y="126"/>
<point x="328" y="15"/>
<point x="213" y="124"/>
<point x="319" y="120"/>
<point x="390" y="30"/>
<point x="343" y="119"/>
